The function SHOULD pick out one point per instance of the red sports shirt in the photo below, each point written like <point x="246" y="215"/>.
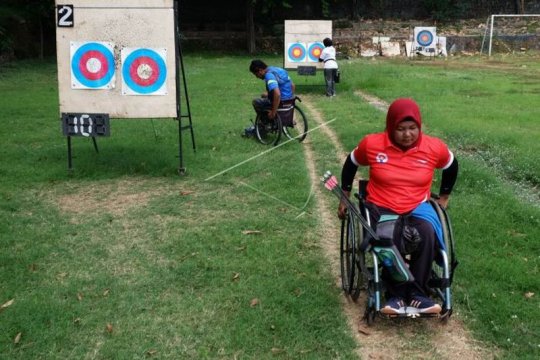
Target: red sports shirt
<point x="400" y="180"/>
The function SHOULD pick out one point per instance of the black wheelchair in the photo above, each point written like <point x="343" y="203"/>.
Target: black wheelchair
<point x="290" y="120"/>
<point x="361" y="267"/>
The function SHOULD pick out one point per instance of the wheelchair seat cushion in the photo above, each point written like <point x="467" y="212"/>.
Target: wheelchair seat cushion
<point x="386" y="226"/>
<point x="393" y="229"/>
<point x="286" y="112"/>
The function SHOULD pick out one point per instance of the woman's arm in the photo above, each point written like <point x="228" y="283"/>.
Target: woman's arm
<point x="347" y="177"/>
<point x="449" y="177"/>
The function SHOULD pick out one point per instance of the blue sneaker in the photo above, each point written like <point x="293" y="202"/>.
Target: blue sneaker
<point x="394" y="306"/>
<point x="425" y="305"/>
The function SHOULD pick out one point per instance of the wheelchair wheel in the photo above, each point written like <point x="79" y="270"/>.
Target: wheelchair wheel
<point x="349" y="257"/>
<point x="449" y="242"/>
<point x="268" y="131"/>
<point x="447" y="235"/>
<point x="440" y="282"/>
<point x="371" y="310"/>
<point x="369" y="315"/>
<point x="299" y="127"/>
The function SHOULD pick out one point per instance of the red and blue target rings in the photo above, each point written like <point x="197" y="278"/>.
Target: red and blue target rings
<point x="144" y="71"/>
<point x="93" y="65"/>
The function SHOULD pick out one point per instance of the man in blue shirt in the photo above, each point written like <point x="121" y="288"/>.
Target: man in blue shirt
<point x="279" y="87"/>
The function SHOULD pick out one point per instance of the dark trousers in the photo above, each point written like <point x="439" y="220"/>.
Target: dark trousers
<point x="421" y="259"/>
<point x="329" y="79"/>
<point x="262" y="105"/>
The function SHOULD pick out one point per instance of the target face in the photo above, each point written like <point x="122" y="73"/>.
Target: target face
<point x="296" y="52"/>
<point x="144" y="71"/>
<point x="424" y="38"/>
<point x="314" y="51"/>
<point x="92" y="65"/>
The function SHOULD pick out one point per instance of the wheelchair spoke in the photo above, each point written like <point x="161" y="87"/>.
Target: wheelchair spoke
<point x="268" y="131"/>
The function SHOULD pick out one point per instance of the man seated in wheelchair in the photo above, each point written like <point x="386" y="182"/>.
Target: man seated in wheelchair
<point x="279" y="88"/>
<point x="402" y="160"/>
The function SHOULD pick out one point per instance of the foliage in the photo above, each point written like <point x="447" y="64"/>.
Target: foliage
<point x="439" y="9"/>
<point x="5" y="41"/>
<point x="33" y="19"/>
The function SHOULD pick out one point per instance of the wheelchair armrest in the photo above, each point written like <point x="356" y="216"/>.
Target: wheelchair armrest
<point x="362" y="188"/>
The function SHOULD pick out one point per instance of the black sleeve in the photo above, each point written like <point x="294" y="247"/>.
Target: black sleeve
<point x="347" y="174"/>
<point x="449" y="177"/>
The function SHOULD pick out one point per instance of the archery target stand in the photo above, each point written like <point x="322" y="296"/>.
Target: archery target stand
<point x="304" y="44"/>
<point x="119" y="60"/>
<point x="426" y="42"/>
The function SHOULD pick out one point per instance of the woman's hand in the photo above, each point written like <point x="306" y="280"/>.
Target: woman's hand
<point x="342" y="208"/>
<point x="443" y="200"/>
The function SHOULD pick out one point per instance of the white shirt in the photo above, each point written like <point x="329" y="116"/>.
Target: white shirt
<point x="328" y="55"/>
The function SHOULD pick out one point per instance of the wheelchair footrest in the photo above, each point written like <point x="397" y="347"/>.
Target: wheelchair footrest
<point x="410" y="315"/>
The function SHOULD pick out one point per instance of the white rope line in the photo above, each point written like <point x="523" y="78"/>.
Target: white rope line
<point x="270" y="196"/>
<point x="265" y="152"/>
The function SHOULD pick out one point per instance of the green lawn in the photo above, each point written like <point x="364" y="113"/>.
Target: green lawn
<point x="123" y="258"/>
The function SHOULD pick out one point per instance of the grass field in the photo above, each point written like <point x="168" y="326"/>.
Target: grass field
<point x="122" y="258"/>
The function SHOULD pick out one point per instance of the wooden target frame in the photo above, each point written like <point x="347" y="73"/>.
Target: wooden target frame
<point x="306" y="34"/>
<point x="96" y="79"/>
<point x="425" y="40"/>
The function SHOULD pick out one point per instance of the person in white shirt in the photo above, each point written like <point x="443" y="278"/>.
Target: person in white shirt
<point x="328" y="56"/>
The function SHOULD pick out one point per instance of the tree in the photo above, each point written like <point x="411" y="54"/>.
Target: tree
<point x="250" y="25"/>
<point x="520" y="6"/>
<point x="355" y="12"/>
<point x="31" y="20"/>
<point x="264" y="7"/>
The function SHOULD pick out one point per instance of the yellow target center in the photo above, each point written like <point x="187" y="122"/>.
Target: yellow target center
<point x="297" y="52"/>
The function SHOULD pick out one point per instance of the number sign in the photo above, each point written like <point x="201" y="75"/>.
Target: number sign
<point x="78" y="124"/>
<point x="307" y="70"/>
<point x="64" y="15"/>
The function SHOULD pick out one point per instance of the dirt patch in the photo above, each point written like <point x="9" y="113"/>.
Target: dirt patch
<point x="423" y="339"/>
<point x="489" y="65"/>
<point x="373" y="101"/>
<point x="328" y="218"/>
<point x="115" y="198"/>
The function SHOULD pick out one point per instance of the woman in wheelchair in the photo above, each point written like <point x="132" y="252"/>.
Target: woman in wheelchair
<point x="401" y="162"/>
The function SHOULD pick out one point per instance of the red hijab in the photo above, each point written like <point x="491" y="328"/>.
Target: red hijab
<point x="401" y="110"/>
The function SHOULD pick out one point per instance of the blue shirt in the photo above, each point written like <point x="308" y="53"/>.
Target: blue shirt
<point x="277" y="77"/>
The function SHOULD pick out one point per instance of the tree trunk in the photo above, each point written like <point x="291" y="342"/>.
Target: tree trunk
<point x="520" y="6"/>
<point x="250" y="26"/>
<point x="355" y="14"/>
<point x="41" y="40"/>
